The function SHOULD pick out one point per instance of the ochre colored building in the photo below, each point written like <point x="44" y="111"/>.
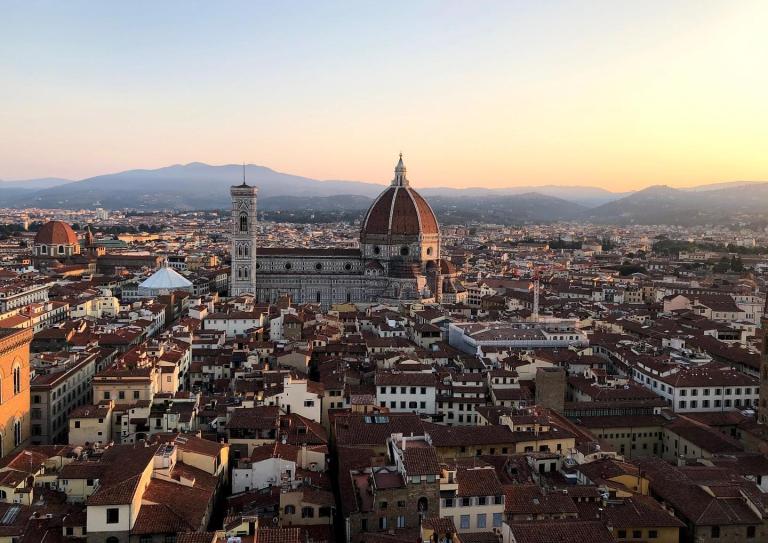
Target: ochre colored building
<point x="14" y="388"/>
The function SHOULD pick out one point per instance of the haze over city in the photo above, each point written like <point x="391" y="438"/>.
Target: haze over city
<point x="493" y="94"/>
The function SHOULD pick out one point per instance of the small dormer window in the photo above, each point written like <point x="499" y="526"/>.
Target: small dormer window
<point x="43" y="249"/>
<point x="61" y="249"/>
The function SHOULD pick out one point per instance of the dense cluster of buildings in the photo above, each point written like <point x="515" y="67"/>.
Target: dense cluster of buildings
<point x="383" y="382"/>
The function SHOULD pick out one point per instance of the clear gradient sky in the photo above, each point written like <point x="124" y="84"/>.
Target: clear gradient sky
<point x="475" y="93"/>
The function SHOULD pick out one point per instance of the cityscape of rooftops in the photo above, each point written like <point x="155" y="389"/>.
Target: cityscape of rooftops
<point x="404" y="272"/>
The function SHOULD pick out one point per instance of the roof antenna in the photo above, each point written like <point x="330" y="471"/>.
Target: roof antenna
<point x="244" y="173"/>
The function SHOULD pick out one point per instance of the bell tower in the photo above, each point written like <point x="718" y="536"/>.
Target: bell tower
<point x="243" y="251"/>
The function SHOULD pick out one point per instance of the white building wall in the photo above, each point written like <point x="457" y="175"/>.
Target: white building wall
<point x="407" y="399"/>
<point x="295" y="398"/>
<point x="262" y="474"/>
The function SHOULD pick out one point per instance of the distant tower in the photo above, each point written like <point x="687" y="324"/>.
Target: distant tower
<point x="550" y="388"/>
<point x="244" y="219"/>
<point x="762" y="409"/>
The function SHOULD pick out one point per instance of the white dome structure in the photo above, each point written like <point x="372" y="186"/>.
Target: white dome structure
<point x="164" y="281"/>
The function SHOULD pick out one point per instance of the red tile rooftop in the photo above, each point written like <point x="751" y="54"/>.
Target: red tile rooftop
<point x="387" y="480"/>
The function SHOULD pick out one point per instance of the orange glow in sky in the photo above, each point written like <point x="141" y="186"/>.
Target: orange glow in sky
<point x="610" y="94"/>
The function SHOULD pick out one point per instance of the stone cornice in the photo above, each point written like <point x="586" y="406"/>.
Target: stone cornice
<point x="15" y="340"/>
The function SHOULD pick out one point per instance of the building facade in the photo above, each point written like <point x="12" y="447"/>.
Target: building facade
<point x="58" y="388"/>
<point x="14" y="389"/>
<point x="398" y="257"/>
<point x="243" y="278"/>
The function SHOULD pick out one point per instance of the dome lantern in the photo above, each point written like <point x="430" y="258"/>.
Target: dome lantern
<point x="400" y="180"/>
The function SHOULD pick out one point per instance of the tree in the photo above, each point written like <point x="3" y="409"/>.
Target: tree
<point x="722" y="266"/>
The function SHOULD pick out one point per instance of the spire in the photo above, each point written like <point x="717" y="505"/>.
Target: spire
<point x="244" y="183"/>
<point x="400" y="180"/>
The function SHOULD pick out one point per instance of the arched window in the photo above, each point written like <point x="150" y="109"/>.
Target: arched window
<point x="290" y="510"/>
<point x="44" y="249"/>
<point x="423" y="504"/>
<point x="3" y="495"/>
<point x="243" y="222"/>
<point x="16" y="379"/>
<point x="61" y="249"/>
<point x="429" y="251"/>
<point x="16" y="433"/>
<point x="319" y="295"/>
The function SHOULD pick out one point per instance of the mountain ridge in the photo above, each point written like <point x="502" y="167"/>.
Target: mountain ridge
<point x="661" y="204"/>
<point x="197" y="185"/>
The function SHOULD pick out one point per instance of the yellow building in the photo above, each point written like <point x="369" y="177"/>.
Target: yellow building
<point x="14" y="388"/>
<point x="127" y="386"/>
<point x="91" y="424"/>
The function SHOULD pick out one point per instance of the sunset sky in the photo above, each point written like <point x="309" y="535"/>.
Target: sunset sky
<point x="474" y="93"/>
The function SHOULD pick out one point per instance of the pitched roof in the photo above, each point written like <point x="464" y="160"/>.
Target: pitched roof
<point x="478" y="482"/>
<point x="166" y="278"/>
<point x="373" y="430"/>
<point x="563" y="531"/>
<point x="421" y="461"/>
<point x="123" y="466"/>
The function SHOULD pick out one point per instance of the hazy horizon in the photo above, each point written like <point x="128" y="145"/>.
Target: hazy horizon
<point x="375" y="182"/>
<point x="500" y="94"/>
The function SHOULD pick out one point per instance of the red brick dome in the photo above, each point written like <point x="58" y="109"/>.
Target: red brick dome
<point x="400" y="210"/>
<point x="56" y="233"/>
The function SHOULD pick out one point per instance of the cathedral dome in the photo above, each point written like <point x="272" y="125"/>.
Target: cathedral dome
<point x="400" y="210"/>
<point x="56" y="233"/>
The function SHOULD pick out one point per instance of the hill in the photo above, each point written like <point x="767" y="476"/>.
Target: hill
<point x="666" y="205"/>
<point x="202" y="186"/>
<point x="584" y="196"/>
<point x="500" y="209"/>
<point x="34" y="184"/>
<point x="189" y="186"/>
<point x="198" y="185"/>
